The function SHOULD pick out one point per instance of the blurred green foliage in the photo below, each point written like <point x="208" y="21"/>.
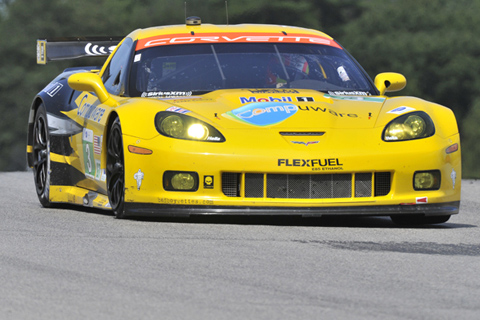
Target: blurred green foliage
<point x="432" y="42"/>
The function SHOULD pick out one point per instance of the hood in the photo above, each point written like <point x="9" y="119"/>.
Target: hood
<point x="282" y="109"/>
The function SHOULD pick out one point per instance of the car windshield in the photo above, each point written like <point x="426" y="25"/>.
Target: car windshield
<point x="177" y="70"/>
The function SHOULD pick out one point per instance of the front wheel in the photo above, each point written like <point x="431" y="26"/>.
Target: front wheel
<point x="116" y="170"/>
<point x="41" y="156"/>
<point x="414" y="220"/>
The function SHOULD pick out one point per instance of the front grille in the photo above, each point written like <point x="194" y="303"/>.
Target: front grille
<point x="306" y="186"/>
<point x="231" y="184"/>
<point x="363" y="185"/>
<point x="254" y="185"/>
<point x="383" y="183"/>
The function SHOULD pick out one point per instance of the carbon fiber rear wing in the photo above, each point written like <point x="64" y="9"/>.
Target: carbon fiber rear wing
<point x="71" y="48"/>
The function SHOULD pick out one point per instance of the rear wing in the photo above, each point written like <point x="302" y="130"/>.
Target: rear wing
<point x="77" y="47"/>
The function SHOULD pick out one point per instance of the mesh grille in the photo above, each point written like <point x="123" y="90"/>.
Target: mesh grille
<point x="254" y="185"/>
<point x="230" y="184"/>
<point x="277" y="186"/>
<point x="342" y="185"/>
<point x="363" y="185"/>
<point x="382" y="183"/>
<point x="307" y="186"/>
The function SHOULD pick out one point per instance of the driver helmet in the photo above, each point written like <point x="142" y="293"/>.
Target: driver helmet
<point x="295" y="66"/>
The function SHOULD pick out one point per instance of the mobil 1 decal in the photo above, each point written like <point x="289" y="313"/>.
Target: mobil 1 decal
<point x="263" y="113"/>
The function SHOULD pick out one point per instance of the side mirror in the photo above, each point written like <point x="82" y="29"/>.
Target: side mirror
<point x="390" y="82"/>
<point x="86" y="81"/>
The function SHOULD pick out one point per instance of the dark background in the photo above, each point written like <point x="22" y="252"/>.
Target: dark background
<point x="434" y="43"/>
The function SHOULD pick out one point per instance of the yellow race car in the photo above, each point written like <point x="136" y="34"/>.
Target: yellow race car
<point x="238" y="119"/>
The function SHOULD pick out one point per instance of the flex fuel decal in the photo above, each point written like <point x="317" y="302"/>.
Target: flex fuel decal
<point x="263" y="113"/>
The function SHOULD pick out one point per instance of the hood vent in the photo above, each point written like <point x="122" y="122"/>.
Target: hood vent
<point x="302" y="134"/>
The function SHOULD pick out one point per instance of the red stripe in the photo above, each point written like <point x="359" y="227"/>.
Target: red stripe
<point x="237" y="37"/>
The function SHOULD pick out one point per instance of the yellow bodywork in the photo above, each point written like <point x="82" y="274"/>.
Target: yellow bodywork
<point x="350" y="142"/>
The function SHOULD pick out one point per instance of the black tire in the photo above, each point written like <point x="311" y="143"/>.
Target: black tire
<point x="116" y="170"/>
<point x="41" y="156"/>
<point x="415" y="220"/>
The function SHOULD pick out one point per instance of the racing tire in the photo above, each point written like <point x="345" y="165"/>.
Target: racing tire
<point x="116" y="170"/>
<point x="41" y="156"/>
<point x="416" y="220"/>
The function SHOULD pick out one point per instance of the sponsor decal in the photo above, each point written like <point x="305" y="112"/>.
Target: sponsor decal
<point x="98" y="170"/>
<point x="98" y="50"/>
<point x="401" y="110"/>
<point x="264" y="113"/>
<point x="92" y="166"/>
<point x="208" y="182"/>
<point x="305" y="99"/>
<point x="357" y="96"/>
<point x="90" y="111"/>
<point x="269" y="91"/>
<point x="177" y="110"/>
<point x="138" y="57"/>
<point x="391" y="138"/>
<point x="325" y="110"/>
<point x="237" y="37"/>
<point x="342" y="73"/>
<point x="138" y="176"/>
<point x="41" y="48"/>
<point x="53" y="88"/>
<point x="184" y="201"/>
<point x="166" y="94"/>
<point x="349" y="93"/>
<point x="305" y="143"/>
<point x="97" y="144"/>
<point x="453" y="176"/>
<point x="88" y="154"/>
<point x="244" y="100"/>
<point x="315" y="164"/>
<point x="421" y="200"/>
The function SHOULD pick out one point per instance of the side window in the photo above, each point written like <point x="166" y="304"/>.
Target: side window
<point x="114" y="76"/>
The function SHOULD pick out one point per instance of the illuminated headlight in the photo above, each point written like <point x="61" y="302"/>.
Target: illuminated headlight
<point x="180" y="181"/>
<point x="198" y="131"/>
<point x="426" y="180"/>
<point x="180" y="126"/>
<point x="415" y="125"/>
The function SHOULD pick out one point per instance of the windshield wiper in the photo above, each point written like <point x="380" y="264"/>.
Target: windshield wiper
<point x="281" y="62"/>
<point x="219" y="66"/>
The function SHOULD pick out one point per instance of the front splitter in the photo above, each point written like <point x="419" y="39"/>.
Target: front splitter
<point x="167" y="210"/>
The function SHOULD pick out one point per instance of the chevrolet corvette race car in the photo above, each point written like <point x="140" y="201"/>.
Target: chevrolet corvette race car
<point x="238" y="119"/>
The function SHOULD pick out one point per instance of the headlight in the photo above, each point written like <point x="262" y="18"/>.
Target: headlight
<point x="180" y="126"/>
<point x="173" y="126"/>
<point x="410" y="126"/>
<point x="198" y="131"/>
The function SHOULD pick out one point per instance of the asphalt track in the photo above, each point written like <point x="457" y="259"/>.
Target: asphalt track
<point x="77" y="264"/>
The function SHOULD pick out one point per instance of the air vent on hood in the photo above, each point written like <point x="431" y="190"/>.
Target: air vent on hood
<point x="305" y="134"/>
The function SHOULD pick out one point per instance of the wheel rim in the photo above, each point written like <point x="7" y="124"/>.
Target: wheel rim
<point x="41" y="154"/>
<point x="115" y="174"/>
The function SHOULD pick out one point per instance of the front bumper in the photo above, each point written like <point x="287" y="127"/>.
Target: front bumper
<point x="244" y="154"/>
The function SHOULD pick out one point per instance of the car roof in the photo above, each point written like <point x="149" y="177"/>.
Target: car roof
<point x="222" y="29"/>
